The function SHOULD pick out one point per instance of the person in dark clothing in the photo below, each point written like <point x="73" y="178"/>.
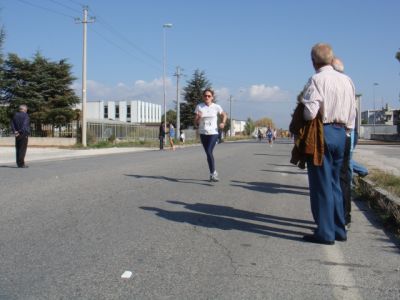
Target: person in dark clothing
<point x="161" y="135"/>
<point x="20" y="126"/>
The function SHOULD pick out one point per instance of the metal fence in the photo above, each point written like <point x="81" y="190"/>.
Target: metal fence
<point x="66" y="131"/>
<point x="98" y="131"/>
<point x="102" y="131"/>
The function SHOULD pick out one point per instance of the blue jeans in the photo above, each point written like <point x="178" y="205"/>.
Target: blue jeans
<point x="209" y="142"/>
<point x="325" y="192"/>
<point x="359" y="169"/>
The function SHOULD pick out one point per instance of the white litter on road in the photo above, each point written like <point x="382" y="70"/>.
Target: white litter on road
<point x="126" y="275"/>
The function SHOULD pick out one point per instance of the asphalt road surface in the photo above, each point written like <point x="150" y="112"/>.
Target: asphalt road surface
<point x="72" y="229"/>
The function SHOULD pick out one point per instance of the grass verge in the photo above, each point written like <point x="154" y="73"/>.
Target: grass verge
<point x="379" y="190"/>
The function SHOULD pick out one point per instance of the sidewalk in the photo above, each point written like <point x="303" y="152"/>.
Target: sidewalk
<point x="7" y="154"/>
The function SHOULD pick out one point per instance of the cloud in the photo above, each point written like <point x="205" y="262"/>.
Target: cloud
<point x="262" y="93"/>
<point x="151" y="91"/>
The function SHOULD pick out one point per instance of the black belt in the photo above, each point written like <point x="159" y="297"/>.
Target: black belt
<point x="341" y="125"/>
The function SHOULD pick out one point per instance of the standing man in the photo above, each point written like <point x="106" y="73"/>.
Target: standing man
<point x="20" y="126"/>
<point x="161" y="135"/>
<point x="346" y="172"/>
<point x="333" y="95"/>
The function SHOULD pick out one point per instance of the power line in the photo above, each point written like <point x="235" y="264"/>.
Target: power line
<point x="45" y="8"/>
<point x="108" y="26"/>
<point x="65" y="6"/>
<point x="77" y="3"/>
<point x="120" y="48"/>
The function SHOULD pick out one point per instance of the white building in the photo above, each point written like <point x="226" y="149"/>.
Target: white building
<point x="135" y="111"/>
<point x="238" y="127"/>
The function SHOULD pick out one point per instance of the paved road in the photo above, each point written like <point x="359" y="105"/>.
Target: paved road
<point x="69" y="229"/>
<point x="385" y="157"/>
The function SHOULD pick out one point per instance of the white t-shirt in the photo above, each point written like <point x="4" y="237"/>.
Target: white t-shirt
<point x="209" y="118"/>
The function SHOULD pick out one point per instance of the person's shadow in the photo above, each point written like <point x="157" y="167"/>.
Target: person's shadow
<point x="172" y="179"/>
<point x="222" y="217"/>
<point x="270" y="187"/>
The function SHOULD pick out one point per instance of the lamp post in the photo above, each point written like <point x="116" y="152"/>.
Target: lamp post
<point x="230" y="115"/>
<point x="374" y="85"/>
<point x="165" y="26"/>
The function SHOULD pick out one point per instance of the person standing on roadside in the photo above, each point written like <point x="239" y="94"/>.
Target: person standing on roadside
<point x="345" y="172"/>
<point x="332" y="94"/>
<point x="20" y="125"/>
<point x="206" y="117"/>
<point x="161" y="136"/>
<point x="171" y="134"/>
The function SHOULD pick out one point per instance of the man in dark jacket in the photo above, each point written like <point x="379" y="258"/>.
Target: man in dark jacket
<point x="161" y="135"/>
<point x="20" y="126"/>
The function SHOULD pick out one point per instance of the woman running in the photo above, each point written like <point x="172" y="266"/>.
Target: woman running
<point x="206" y="118"/>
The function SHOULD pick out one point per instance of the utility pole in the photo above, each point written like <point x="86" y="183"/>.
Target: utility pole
<point x="84" y="22"/>
<point x="178" y="108"/>
<point x="230" y="115"/>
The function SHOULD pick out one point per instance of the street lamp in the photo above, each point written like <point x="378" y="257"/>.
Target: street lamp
<point x="165" y="26"/>
<point x="374" y="85"/>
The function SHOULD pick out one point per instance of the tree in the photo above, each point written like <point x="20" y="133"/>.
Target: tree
<point x="171" y="117"/>
<point x="192" y="96"/>
<point x="264" y="122"/>
<point x="249" y="127"/>
<point x="44" y="86"/>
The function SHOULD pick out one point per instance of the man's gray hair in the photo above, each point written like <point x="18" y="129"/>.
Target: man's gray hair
<point x="322" y="54"/>
<point x="337" y="64"/>
<point x="23" y="107"/>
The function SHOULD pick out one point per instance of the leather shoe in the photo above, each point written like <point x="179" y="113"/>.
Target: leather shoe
<point x="23" y="166"/>
<point x="341" y="239"/>
<point x="313" y="239"/>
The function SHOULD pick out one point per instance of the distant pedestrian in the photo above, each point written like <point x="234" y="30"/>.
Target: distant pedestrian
<point x="161" y="135"/>
<point x="171" y="134"/>
<point x="259" y="135"/>
<point x="206" y="117"/>
<point x="270" y="136"/>
<point x="20" y="126"/>
<point x="182" y="137"/>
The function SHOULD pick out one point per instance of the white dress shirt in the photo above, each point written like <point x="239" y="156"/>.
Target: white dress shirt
<point x="333" y="94"/>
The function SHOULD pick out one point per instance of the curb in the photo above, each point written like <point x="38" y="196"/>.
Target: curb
<point x="389" y="203"/>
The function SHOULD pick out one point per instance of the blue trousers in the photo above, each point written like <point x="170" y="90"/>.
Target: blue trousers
<point x="325" y="192"/>
<point x="209" y="142"/>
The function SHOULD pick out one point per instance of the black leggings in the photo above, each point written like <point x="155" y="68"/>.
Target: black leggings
<point x="209" y="142"/>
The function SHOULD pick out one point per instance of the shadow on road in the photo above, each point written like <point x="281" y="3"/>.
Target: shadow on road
<point x="232" y="212"/>
<point x="172" y="179"/>
<point x="214" y="216"/>
<point x="267" y="154"/>
<point x="271" y="188"/>
<point x="286" y="172"/>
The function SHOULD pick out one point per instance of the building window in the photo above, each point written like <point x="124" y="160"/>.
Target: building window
<point x="117" y="111"/>
<point x="105" y="111"/>
<point x="128" y="111"/>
